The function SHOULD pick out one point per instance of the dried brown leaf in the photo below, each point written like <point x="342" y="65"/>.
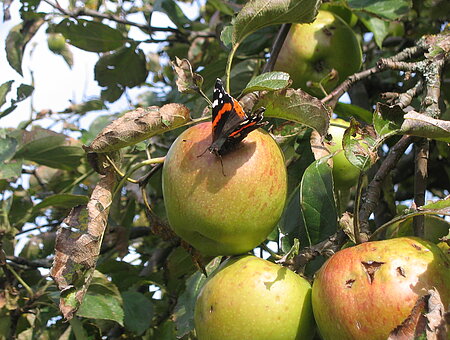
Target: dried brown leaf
<point x="138" y="125"/>
<point x="414" y="325"/>
<point x="78" y="247"/>
<point x="188" y="81"/>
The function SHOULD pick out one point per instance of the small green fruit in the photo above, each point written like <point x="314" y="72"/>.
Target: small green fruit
<point x="345" y="174"/>
<point x="254" y="299"/>
<point x="56" y="42"/>
<point x="326" y="48"/>
<point x="229" y="210"/>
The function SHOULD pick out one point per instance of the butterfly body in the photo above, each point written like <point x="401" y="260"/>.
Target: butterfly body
<point x="230" y="124"/>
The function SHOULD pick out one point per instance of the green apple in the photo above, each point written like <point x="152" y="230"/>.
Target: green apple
<point x="228" y="205"/>
<point x="366" y="291"/>
<point x="326" y="51"/>
<point x="345" y="174"/>
<point x="253" y="299"/>
<point x="56" y="42"/>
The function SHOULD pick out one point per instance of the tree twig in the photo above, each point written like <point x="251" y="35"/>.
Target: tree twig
<point x="83" y="11"/>
<point x="374" y="189"/>
<point x="276" y="47"/>
<point x="420" y="183"/>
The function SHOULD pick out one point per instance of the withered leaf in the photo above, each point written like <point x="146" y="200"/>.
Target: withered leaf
<point x="77" y="248"/>
<point x="188" y="81"/>
<point x="138" y="125"/>
<point x="414" y="325"/>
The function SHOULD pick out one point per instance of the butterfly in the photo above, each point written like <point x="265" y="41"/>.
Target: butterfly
<point x="230" y="124"/>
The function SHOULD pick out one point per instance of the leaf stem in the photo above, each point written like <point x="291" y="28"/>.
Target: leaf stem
<point x="228" y="68"/>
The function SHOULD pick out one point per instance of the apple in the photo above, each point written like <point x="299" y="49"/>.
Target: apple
<point x="56" y="42"/>
<point x="252" y="298"/>
<point x="364" y="292"/>
<point x="345" y="174"/>
<point x="326" y="51"/>
<point x="224" y="210"/>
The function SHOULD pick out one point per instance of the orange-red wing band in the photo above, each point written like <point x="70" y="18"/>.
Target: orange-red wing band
<point x="238" y="109"/>
<point x="241" y="129"/>
<point x="225" y="108"/>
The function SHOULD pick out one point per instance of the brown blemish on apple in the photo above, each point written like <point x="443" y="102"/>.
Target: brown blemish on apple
<point x="371" y="267"/>
<point x="416" y="246"/>
<point x="401" y="271"/>
<point x="349" y="283"/>
<point x="211" y="309"/>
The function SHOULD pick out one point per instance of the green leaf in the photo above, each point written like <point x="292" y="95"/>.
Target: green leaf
<point x="138" y="311"/>
<point x="14" y="48"/>
<point x="65" y="201"/>
<point x="102" y="300"/>
<point x="184" y="310"/>
<point x="357" y="143"/>
<point x="11" y="169"/>
<point x="173" y="11"/>
<point x="317" y="201"/>
<point x="257" y="14"/>
<point x="78" y="329"/>
<point x="50" y="151"/>
<point x="378" y="27"/>
<point x="4" y="90"/>
<point x="297" y="106"/>
<point x="125" y="67"/>
<point x="23" y="92"/>
<point x="8" y="147"/>
<point x="440" y="207"/>
<point x="388" y="9"/>
<point x="387" y="120"/>
<point x="270" y="81"/>
<point x="90" y="36"/>
<point x="226" y="36"/>
<point x="350" y="110"/>
<point x="221" y="6"/>
<point x="417" y="124"/>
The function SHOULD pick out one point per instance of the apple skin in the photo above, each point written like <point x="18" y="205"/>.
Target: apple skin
<point x="347" y="305"/>
<point x="224" y="211"/>
<point x="252" y="298"/>
<point x="345" y="174"/>
<point x="56" y="42"/>
<point x="311" y="51"/>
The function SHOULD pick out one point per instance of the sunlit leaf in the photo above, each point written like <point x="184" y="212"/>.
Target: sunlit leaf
<point x="90" y="36"/>
<point x="270" y="81"/>
<point x="257" y="14"/>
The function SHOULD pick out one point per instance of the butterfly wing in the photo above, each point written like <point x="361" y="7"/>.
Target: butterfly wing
<point x="227" y="113"/>
<point x="230" y="124"/>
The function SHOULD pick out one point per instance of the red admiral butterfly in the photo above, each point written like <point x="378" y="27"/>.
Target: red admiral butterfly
<point x="230" y="124"/>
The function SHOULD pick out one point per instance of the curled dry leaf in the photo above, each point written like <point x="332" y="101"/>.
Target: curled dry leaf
<point x="77" y="248"/>
<point x="426" y="320"/>
<point x="318" y="146"/>
<point x="188" y="81"/>
<point x="138" y="125"/>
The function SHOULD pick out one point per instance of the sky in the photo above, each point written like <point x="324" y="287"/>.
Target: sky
<point x="56" y="84"/>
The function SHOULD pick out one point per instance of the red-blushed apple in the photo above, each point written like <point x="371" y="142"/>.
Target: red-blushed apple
<point x="253" y="299"/>
<point x="229" y="210"/>
<point x="365" y="291"/>
<point x="312" y="52"/>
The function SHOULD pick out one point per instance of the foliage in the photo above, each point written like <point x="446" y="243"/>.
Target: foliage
<point x="117" y="270"/>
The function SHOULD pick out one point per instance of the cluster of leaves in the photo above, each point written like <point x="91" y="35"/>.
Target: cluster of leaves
<point x="136" y="283"/>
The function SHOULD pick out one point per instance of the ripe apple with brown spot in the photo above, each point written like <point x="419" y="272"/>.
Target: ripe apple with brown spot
<point x="364" y="292"/>
<point x="224" y="210"/>
<point x="251" y="298"/>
